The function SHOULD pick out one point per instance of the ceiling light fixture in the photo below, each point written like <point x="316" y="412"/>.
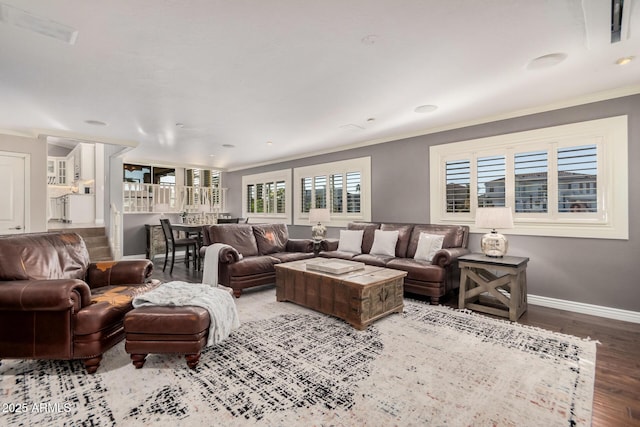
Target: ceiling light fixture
<point x="95" y="123"/>
<point x="423" y="109"/>
<point x="371" y="119"/>
<point x="546" y="61"/>
<point x="624" y="60"/>
<point x="269" y="142"/>
<point x="179" y="125"/>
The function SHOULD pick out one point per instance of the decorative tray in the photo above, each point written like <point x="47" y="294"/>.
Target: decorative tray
<point x="335" y="266"/>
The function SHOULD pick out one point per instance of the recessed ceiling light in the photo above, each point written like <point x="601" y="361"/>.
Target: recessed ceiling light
<point x="95" y="122"/>
<point x="426" y="109"/>
<point x="269" y="142"/>
<point x="624" y="60"/>
<point x="546" y="61"/>
<point x="179" y="125"/>
<point x="228" y="145"/>
<point x="212" y="155"/>
<point x="371" y="119"/>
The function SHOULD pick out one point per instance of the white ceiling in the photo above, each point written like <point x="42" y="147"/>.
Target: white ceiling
<point x="305" y="75"/>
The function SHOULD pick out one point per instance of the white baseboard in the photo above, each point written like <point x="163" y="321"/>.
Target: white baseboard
<point x="590" y="309"/>
<point x="179" y="255"/>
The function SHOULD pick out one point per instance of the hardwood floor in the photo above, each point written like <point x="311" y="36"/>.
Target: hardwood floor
<point x="616" y="400"/>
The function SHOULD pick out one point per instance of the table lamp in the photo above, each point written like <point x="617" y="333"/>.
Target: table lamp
<point x="494" y="244"/>
<point x="319" y="231"/>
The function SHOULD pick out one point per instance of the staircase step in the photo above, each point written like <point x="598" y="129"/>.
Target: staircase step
<point x="94" y="238"/>
<point x="84" y="232"/>
<point x="100" y="253"/>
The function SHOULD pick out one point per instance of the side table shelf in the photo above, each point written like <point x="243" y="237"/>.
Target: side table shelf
<point x="482" y="290"/>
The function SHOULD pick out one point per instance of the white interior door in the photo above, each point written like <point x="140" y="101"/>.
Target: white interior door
<point x="12" y="195"/>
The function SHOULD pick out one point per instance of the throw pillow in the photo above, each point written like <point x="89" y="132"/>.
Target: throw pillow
<point x="384" y="243"/>
<point x="428" y="245"/>
<point x="350" y="241"/>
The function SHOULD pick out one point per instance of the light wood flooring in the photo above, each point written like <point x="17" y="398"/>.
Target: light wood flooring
<point x="616" y="400"/>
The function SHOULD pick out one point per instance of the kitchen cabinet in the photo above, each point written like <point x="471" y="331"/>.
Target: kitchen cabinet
<point x="57" y="170"/>
<point x="77" y="208"/>
<point x="81" y="161"/>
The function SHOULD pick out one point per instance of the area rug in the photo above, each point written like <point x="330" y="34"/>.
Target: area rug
<point x="288" y="365"/>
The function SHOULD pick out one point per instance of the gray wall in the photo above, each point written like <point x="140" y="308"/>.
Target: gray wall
<point x="592" y="271"/>
<point x="38" y="167"/>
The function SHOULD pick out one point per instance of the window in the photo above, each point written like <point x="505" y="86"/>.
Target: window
<point x="265" y="196"/>
<point x="566" y="180"/>
<point x="342" y="187"/>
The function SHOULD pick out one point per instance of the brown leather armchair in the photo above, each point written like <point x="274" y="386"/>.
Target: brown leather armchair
<point x="55" y="304"/>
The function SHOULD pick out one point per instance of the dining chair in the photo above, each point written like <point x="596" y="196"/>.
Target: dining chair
<point x="172" y="243"/>
<point x="228" y="220"/>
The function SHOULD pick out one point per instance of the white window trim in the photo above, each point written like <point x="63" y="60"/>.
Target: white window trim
<point x="613" y="179"/>
<point x="262" y="178"/>
<point x="362" y="165"/>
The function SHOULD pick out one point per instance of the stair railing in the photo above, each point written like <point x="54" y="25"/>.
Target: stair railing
<point x="115" y="232"/>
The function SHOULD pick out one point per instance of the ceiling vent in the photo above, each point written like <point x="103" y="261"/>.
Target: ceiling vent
<point x="617" y="7"/>
<point x="27" y="21"/>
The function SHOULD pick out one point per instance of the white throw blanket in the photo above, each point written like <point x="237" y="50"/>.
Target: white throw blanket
<point x="219" y="303"/>
<point x="211" y="259"/>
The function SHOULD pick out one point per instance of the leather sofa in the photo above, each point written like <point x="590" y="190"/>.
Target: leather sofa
<point x="253" y="251"/>
<point x="55" y="304"/>
<point x="433" y="279"/>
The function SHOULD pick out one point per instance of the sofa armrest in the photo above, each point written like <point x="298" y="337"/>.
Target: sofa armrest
<point x="229" y="255"/>
<point x="44" y="295"/>
<point x="329" y="244"/>
<point x="445" y="257"/>
<point x="128" y="272"/>
<point x="299" y="245"/>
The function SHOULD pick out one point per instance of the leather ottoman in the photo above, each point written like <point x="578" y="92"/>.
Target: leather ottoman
<point x="166" y="329"/>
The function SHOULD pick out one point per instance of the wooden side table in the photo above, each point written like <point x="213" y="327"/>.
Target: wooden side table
<point x="482" y="290"/>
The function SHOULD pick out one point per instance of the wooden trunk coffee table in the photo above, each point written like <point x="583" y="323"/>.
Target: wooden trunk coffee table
<point x="359" y="297"/>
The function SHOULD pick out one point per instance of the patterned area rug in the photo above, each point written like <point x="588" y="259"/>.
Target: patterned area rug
<point x="287" y="365"/>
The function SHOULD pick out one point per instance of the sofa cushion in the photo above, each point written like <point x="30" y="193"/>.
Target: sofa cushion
<point x="108" y="306"/>
<point x="453" y="236"/>
<point x="271" y="238"/>
<point x="404" y="234"/>
<point x="337" y="254"/>
<point x="291" y="256"/>
<point x="350" y="241"/>
<point x="384" y="243"/>
<point x="240" y="236"/>
<point x="367" y="238"/>
<point x="419" y="270"/>
<point x="43" y="256"/>
<point x="248" y="266"/>
<point x="428" y="245"/>
<point x="370" y="259"/>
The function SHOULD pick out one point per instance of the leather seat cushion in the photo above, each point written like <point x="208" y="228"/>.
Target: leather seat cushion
<point x="291" y="256"/>
<point x="108" y="306"/>
<point x="377" y="260"/>
<point x="252" y="265"/>
<point x="154" y="323"/>
<point x="337" y="254"/>
<point x="418" y="269"/>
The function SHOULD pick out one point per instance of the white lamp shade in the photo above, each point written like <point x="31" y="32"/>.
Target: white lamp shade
<point x="493" y="218"/>
<point x="319" y="215"/>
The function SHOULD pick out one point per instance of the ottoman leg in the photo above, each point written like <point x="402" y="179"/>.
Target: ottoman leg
<point x="192" y="360"/>
<point x="138" y="360"/>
